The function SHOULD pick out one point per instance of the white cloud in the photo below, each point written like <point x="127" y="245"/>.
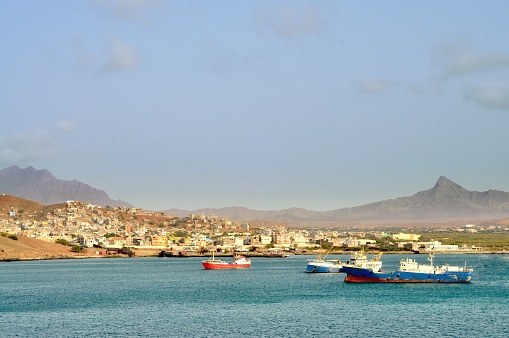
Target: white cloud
<point x="459" y="58"/>
<point x="122" y="56"/>
<point x="490" y="95"/>
<point x="291" y="22"/>
<point x="374" y="85"/>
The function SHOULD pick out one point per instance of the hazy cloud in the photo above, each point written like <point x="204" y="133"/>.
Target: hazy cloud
<point x="490" y="95"/>
<point x="374" y="85"/>
<point x="26" y="146"/>
<point x="459" y="57"/>
<point x="84" y="59"/>
<point x="32" y="145"/>
<point x="290" y="22"/>
<point x="122" y="57"/>
<point x="116" y="56"/>
<point x="127" y="9"/>
<point x="65" y="127"/>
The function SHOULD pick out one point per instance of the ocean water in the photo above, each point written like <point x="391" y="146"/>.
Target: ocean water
<point x="175" y="297"/>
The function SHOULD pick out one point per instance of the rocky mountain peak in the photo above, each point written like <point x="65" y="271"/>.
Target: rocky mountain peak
<point x="444" y="186"/>
<point x="41" y="186"/>
<point x="444" y="182"/>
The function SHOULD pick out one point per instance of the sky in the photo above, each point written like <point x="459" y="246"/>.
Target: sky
<point x="260" y="104"/>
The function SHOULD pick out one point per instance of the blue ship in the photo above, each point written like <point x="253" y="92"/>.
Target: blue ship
<point x="321" y="265"/>
<point x="410" y="271"/>
<point x="317" y="265"/>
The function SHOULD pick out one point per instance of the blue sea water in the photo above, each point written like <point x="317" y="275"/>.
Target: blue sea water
<point x="175" y="297"/>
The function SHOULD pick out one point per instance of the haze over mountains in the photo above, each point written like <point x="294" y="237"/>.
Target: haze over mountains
<point x="41" y="186"/>
<point x="446" y="200"/>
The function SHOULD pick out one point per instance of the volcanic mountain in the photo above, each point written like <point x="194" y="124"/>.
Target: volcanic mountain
<point x="41" y="186"/>
<point x="445" y="201"/>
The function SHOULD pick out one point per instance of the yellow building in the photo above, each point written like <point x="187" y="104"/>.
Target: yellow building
<point x="159" y="241"/>
<point x="406" y="237"/>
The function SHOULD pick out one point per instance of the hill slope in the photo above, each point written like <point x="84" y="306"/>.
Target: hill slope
<point x="41" y="186"/>
<point x="30" y="248"/>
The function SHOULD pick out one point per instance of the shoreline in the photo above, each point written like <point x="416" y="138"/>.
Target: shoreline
<point x="151" y="253"/>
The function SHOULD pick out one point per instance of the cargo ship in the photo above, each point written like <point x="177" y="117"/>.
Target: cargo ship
<point x="410" y="271"/>
<point x="239" y="262"/>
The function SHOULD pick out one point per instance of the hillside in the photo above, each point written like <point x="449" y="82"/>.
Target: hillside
<point x="30" y="248"/>
<point x="41" y="186"/>
<point x="8" y="203"/>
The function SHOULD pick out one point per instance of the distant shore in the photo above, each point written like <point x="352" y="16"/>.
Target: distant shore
<point x="143" y="253"/>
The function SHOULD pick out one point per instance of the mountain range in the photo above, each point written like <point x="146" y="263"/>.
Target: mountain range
<point x="42" y="187"/>
<point x="445" y="201"/>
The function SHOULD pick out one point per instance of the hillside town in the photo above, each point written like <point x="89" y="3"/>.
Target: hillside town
<point x="85" y="225"/>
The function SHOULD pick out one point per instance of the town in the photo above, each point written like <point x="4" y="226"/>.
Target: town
<point x="83" y="225"/>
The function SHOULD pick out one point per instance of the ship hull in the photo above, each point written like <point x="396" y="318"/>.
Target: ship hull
<point x="357" y="275"/>
<point x="323" y="267"/>
<point x="224" y="266"/>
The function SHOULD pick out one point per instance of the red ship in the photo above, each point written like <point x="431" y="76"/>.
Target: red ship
<point x="239" y="262"/>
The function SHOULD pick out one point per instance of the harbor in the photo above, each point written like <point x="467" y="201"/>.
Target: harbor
<point x="155" y="297"/>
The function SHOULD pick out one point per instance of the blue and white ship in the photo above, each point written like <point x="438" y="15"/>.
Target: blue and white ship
<point x="410" y="271"/>
<point x="319" y="264"/>
<point x="361" y="260"/>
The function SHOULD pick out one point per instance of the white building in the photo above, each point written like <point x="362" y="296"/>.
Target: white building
<point x="433" y="246"/>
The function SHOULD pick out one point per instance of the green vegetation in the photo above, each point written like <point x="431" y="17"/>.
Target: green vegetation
<point x="392" y="249"/>
<point x="180" y="234"/>
<point x="77" y="248"/>
<point x="13" y="237"/>
<point x="355" y="248"/>
<point x="110" y="234"/>
<point x="62" y="241"/>
<point x="325" y="246"/>
<point x="494" y="240"/>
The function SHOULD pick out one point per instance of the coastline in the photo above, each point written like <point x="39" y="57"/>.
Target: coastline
<point x="143" y="253"/>
<point x="29" y="249"/>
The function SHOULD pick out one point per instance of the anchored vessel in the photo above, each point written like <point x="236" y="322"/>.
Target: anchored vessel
<point x="360" y="260"/>
<point x="239" y="262"/>
<point x="319" y="264"/>
<point x="410" y="271"/>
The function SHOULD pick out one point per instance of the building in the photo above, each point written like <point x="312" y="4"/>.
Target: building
<point x="406" y="237"/>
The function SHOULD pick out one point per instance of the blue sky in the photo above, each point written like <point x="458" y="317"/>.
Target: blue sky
<point x="261" y="104"/>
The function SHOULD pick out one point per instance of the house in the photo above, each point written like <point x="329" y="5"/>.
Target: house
<point x="406" y="237"/>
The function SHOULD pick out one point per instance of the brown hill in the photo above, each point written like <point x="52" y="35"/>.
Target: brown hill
<point x="26" y="248"/>
<point x="31" y="248"/>
<point x="8" y="203"/>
